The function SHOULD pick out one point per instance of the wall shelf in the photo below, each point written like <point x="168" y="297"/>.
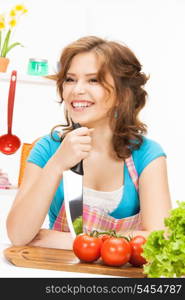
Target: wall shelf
<point x="28" y="79"/>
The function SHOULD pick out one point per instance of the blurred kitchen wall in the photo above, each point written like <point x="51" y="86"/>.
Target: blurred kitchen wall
<point x="153" y="29"/>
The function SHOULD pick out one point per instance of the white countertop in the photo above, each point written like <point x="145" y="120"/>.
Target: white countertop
<point x="7" y="269"/>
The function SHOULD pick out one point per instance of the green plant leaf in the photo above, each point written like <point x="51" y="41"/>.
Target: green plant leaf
<point x="165" y="255"/>
<point x="5" y="45"/>
<point x="78" y="225"/>
<point x="12" y="46"/>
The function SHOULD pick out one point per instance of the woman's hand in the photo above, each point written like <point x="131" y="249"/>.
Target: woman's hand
<point x="47" y="238"/>
<point x="74" y="148"/>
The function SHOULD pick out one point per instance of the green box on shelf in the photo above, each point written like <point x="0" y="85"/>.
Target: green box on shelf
<point x="38" y="67"/>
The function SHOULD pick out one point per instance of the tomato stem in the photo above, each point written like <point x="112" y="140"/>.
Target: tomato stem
<point x="112" y="233"/>
<point x="94" y="233"/>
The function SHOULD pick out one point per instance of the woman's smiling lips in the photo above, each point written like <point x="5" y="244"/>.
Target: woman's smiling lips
<point x="81" y="105"/>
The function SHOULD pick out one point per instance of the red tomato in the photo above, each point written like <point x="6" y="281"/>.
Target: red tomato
<point x="104" y="237"/>
<point x="87" y="248"/>
<point x="136" y="244"/>
<point x="115" y="251"/>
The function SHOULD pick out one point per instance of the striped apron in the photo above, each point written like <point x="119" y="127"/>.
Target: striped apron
<point x="97" y="219"/>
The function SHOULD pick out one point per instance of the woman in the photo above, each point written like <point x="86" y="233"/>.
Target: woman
<point x="125" y="176"/>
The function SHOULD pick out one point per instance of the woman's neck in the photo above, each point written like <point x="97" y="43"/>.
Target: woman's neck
<point x="102" y="139"/>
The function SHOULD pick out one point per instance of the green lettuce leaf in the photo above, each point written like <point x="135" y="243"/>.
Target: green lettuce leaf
<point x="165" y="254"/>
<point x="78" y="225"/>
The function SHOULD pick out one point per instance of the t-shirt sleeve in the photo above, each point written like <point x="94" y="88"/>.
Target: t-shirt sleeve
<point x="40" y="153"/>
<point x="148" y="151"/>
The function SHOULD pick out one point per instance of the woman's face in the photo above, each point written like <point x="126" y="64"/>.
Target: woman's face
<point x="86" y="100"/>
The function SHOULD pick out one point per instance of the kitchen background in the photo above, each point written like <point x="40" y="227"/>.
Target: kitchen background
<point x="154" y="30"/>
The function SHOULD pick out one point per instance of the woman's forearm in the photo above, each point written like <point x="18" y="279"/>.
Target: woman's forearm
<point x="63" y="240"/>
<point x="52" y="239"/>
<point x="28" y="214"/>
<point x="133" y="233"/>
<point x="144" y="233"/>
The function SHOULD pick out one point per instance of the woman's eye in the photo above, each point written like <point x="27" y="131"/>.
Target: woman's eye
<point x="93" y="80"/>
<point x="69" y="79"/>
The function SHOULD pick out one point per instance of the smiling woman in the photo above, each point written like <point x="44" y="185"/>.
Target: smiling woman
<point x="93" y="104"/>
<point x="125" y="183"/>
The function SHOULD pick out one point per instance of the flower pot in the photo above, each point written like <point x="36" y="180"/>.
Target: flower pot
<point x="4" y="64"/>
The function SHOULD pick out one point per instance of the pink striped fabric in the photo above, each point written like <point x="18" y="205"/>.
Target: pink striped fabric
<point x="61" y="221"/>
<point x="4" y="181"/>
<point x="132" y="171"/>
<point x="97" y="219"/>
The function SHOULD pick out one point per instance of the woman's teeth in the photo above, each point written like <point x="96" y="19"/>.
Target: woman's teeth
<point x="81" y="104"/>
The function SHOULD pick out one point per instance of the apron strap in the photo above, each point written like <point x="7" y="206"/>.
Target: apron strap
<point x="132" y="171"/>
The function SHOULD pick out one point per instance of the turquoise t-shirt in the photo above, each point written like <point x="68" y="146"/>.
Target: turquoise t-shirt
<point x="129" y="204"/>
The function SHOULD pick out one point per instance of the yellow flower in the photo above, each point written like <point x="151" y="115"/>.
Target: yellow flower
<point x="2" y="25"/>
<point x="2" y="22"/>
<point x="19" y="7"/>
<point x="24" y="11"/>
<point x="12" y="22"/>
<point x="13" y="17"/>
<point x="13" y="13"/>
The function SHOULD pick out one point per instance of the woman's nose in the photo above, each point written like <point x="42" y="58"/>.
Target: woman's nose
<point x="79" y="88"/>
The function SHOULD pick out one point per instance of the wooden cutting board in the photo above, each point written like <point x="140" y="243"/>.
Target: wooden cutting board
<point x="65" y="260"/>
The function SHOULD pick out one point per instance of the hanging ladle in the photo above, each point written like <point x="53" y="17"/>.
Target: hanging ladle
<point x="10" y="143"/>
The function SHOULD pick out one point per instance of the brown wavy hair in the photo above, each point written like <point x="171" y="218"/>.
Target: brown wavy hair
<point x="117" y="59"/>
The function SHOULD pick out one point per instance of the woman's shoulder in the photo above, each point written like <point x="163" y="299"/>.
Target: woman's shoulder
<point x="49" y="140"/>
<point x="149" y="144"/>
<point x="44" y="148"/>
<point x="147" y="152"/>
